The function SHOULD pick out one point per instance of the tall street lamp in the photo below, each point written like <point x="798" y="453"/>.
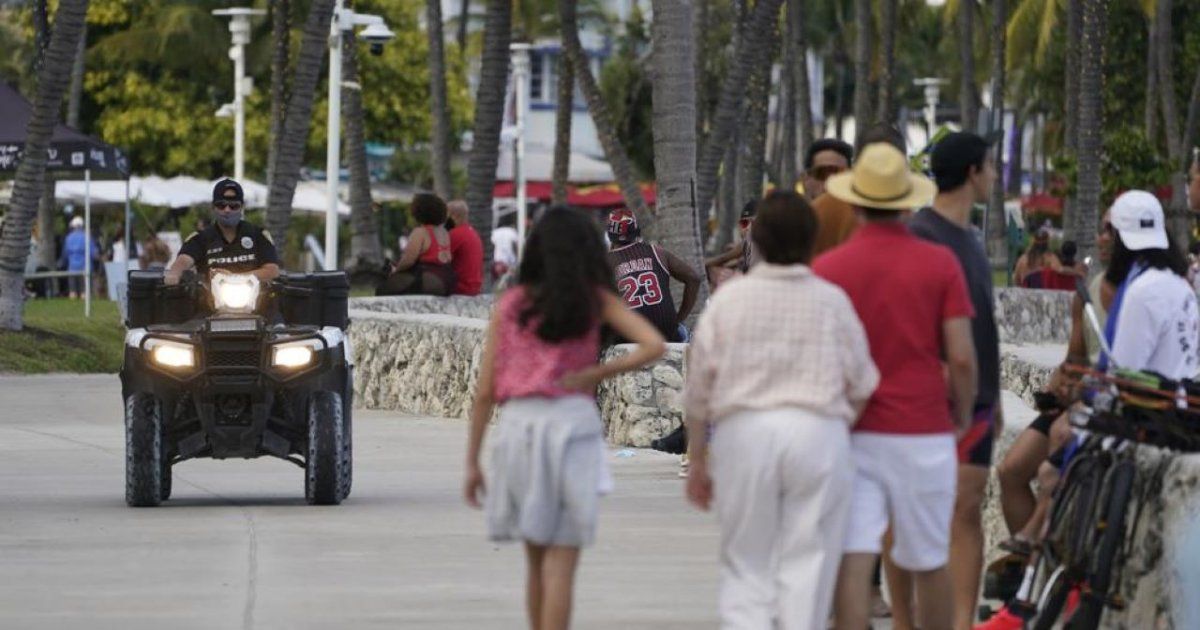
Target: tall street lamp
<point x="377" y="34"/>
<point x="239" y="30"/>
<point x="520" y="78"/>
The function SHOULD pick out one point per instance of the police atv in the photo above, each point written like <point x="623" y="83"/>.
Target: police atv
<point x="211" y="372"/>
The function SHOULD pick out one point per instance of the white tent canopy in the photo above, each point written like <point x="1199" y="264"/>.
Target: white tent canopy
<point x="539" y="166"/>
<point x="183" y="191"/>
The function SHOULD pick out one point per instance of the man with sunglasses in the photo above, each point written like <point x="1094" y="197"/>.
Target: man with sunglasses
<point x="230" y="244"/>
<point x="836" y="219"/>
<point x="825" y="158"/>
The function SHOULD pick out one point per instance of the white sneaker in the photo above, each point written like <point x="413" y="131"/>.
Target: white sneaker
<point x="683" y="466"/>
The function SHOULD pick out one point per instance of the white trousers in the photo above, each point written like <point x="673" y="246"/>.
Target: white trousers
<point x="782" y="481"/>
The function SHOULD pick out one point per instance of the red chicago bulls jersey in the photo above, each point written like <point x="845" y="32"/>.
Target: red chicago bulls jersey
<point x="645" y="285"/>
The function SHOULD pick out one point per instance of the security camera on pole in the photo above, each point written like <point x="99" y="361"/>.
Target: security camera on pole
<point x="239" y="30"/>
<point x="376" y="34"/>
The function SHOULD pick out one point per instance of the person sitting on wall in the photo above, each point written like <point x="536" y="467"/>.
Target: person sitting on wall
<point x="466" y="250"/>
<point x="425" y="266"/>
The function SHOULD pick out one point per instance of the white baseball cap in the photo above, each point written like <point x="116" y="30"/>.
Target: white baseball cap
<point x="77" y="222"/>
<point x="1138" y="217"/>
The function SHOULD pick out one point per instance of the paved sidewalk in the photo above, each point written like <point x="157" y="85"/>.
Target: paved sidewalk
<point x="238" y="548"/>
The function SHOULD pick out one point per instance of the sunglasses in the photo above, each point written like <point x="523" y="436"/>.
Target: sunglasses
<point x="822" y="173"/>
<point x="232" y="205"/>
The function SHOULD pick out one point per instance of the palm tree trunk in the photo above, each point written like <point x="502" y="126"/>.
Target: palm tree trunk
<point x="997" y="242"/>
<point x="41" y="34"/>
<point x="887" y="64"/>
<point x="618" y="159"/>
<point x="53" y="76"/>
<point x="1192" y="127"/>
<point x="803" y="104"/>
<point x="366" y="250"/>
<point x="863" y="32"/>
<point x="1166" y="81"/>
<point x="701" y="8"/>
<point x="1091" y="121"/>
<point x="751" y="53"/>
<point x="674" y="121"/>
<point x="731" y="197"/>
<point x="442" y="184"/>
<point x="1178" y="221"/>
<point x="1074" y="43"/>
<point x="563" y="111"/>
<point x="752" y="163"/>
<point x="1151" y="111"/>
<point x="788" y="101"/>
<point x="489" y="117"/>
<point x="464" y="13"/>
<point x="298" y="119"/>
<point x="77" y="68"/>
<point x="281" y="40"/>
<point x="839" y="97"/>
<point x="968" y="100"/>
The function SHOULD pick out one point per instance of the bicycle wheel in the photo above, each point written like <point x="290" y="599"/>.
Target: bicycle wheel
<point x="1053" y="599"/>
<point x="1112" y="537"/>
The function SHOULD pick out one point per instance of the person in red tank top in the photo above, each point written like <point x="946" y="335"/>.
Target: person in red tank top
<point x="466" y="250"/>
<point x="547" y="464"/>
<point x="425" y="267"/>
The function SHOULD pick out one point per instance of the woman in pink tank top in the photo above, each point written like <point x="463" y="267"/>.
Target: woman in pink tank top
<point x="541" y="366"/>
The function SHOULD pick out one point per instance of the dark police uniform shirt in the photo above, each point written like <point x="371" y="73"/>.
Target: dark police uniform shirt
<point x="645" y="285"/>
<point x="250" y="249"/>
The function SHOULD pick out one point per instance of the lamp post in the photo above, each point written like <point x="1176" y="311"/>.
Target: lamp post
<point x="520" y="77"/>
<point x="239" y="30"/>
<point x="376" y="33"/>
<point x="933" y="90"/>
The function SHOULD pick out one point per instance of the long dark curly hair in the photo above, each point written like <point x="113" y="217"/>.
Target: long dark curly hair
<point x="564" y="268"/>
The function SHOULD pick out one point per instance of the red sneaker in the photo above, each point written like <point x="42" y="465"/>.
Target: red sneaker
<point x="1072" y="603"/>
<point x="1002" y="620"/>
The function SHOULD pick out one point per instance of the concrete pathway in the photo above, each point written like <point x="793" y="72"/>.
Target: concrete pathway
<point x="238" y="547"/>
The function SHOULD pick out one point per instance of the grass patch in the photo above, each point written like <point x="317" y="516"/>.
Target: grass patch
<point x="58" y="338"/>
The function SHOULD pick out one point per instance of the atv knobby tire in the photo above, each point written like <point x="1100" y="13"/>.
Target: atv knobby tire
<point x="143" y="451"/>
<point x="327" y="478"/>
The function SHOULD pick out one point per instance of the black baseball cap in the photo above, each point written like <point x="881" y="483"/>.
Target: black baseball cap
<point x="226" y="185"/>
<point x="954" y="154"/>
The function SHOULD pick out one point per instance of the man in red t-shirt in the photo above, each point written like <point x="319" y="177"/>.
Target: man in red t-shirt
<point x="913" y="303"/>
<point x="466" y="249"/>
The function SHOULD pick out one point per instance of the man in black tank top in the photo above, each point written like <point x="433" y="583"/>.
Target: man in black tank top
<point x="644" y="272"/>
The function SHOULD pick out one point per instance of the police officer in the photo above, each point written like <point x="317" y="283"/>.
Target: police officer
<point x="230" y="245"/>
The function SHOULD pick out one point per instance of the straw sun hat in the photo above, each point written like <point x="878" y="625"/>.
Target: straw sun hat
<point x="881" y="179"/>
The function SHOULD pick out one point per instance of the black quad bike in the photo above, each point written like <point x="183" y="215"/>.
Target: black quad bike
<point x="233" y="368"/>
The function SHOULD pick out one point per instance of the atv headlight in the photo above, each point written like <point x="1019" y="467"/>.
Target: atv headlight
<point x="295" y="354"/>
<point x="235" y="293"/>
<point x="171" y="354"/>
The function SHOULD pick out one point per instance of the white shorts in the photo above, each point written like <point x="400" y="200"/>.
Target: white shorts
<point x="909" y="481"/>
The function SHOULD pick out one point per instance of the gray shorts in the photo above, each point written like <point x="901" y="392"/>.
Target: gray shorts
<point x="547" y="472"/>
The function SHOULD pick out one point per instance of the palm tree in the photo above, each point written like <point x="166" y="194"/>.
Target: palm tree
<point x="1150" y="117"/>
<point x="997" y="222"/>
<point x="1179" y="221"/>
<point x="789" y="99"/>
<point x="298" y="118"/>
<point x="597" y="109"/>
<point x="1073" y="67"/>
<point x="564" y="109"/>
<point x="53" y="76"/>
<point x="464" y="12"/>
<point x="442" y="184"/>
<point x="1091" y="120"/>
<point x="968" y="100"/>
<point x="366" y="250"/>
<point x="863" y="27"/>
<point x="489" y="117"/>
<point x="675" y="129"/>
<point x="751" y="53"/>
<point x="803" y="104"/>
<point x="281" y="44"/>
<point x="887" y="62"/>
<point x="751" y="165"/>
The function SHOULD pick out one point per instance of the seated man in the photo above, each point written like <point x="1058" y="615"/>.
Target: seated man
<point x="466" y="250"/>
<point x="231" y="245"/>
<point x="739" y="256"/>
<point x="644" y="272"/>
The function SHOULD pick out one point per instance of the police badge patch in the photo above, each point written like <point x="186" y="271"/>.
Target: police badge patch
<point x="247" y="242"/>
